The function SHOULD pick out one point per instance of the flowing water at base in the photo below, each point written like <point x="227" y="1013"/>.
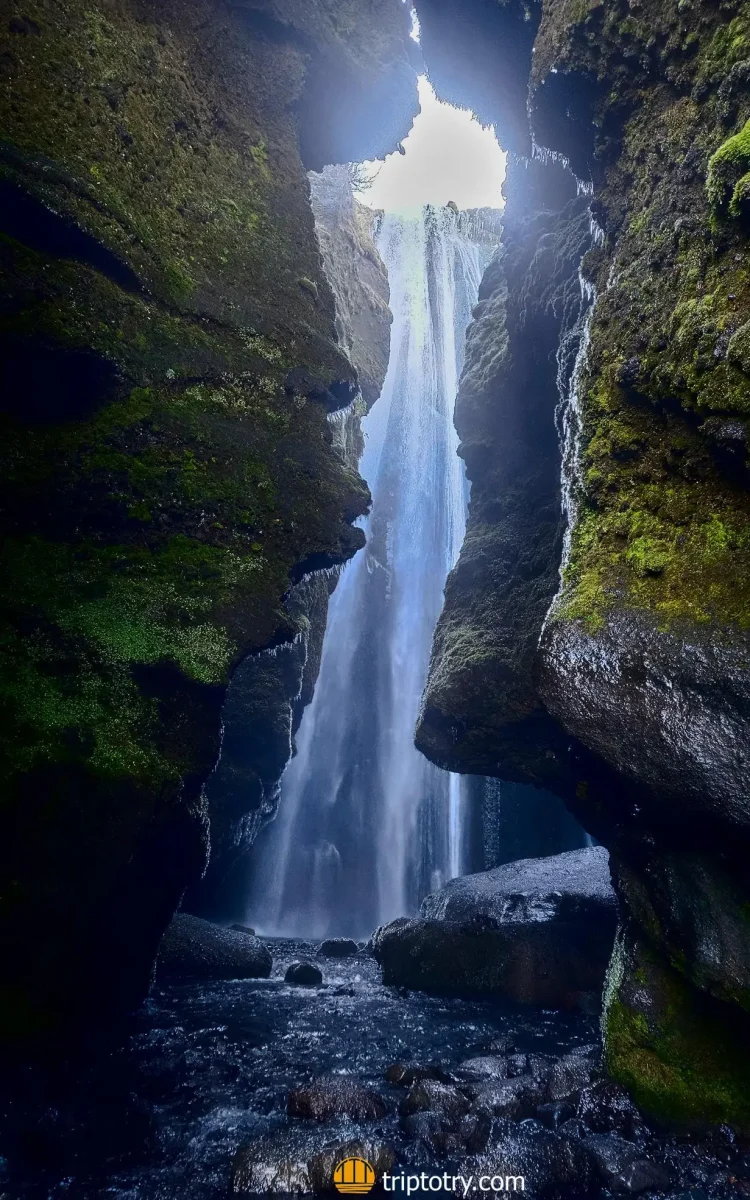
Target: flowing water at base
<point x="208" y="1065"/>
<point x="207" y="1068"/>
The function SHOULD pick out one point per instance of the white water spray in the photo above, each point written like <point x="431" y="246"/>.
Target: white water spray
<point x="366" y="825"/>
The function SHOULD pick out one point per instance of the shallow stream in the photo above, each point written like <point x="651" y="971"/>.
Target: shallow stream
<point x="207" y="1067"/>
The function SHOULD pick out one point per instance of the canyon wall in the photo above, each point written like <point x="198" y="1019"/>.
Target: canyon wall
<point x="629" y="696"/>
<point x="269" y="692"/>
<point x="169" y="365"/>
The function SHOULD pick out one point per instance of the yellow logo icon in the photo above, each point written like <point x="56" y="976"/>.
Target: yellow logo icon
<point x="354" y="1177"/>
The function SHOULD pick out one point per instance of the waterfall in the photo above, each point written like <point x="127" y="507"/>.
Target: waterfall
<point x="366" y="825"/>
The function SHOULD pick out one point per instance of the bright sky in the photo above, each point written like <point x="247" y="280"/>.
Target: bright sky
<point x="449" y="156"/>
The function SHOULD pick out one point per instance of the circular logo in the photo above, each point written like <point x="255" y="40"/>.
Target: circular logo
<point x="354" y="1177"/>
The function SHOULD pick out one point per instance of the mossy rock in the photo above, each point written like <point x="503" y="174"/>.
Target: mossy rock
<point x="168" y="466"/>
<point x="728" y="178"/>
<point x="684" y="1058"/>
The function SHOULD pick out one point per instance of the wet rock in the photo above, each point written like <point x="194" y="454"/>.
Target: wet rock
<point x="299" y="1161"/>
<point x="555" y="1113"/>
<point x="551" y="1165"/>
<point x="513" y="1098"/>
<point x="429" y="1095"/>
<point x="552" y="964"/>
<point x="357" y="275"/>
<point x="661" y="1034"/>
<point x="623" y="1166"/>
<point x="196" y="948"/>
<point x="404" y="1075"/>
<point x="304" y="974"/>
<point x="481" y="711"/>
<point x="276" y="1163"/>
<point x="607" y="1107"/>
<point x="569" y="1075"/>
<point x="537" y="1065"/>
<point x="635" y="684"/>
<point x="338" y="948"/>
<point x="486" y="1067"/>
<point x="242" y="929"/>
<point x="434" y="1133"/>
<point x="336" y="1096"/>
<point x="499" y="1045"/>
<point x="567" y="886"/>
<point x="536" y="932"/>
<point x="380" y="1156"/>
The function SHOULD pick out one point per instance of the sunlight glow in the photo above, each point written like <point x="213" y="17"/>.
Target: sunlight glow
<point x="447" y="156"/>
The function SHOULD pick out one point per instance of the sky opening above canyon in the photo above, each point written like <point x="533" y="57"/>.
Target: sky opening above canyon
<point x="448" y="155"/>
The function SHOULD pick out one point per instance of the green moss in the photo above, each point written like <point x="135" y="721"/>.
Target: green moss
<point x="728" y="169"/>
<point x="682" y="1057"/>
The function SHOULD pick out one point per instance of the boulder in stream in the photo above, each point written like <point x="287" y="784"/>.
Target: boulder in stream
<point x="197" y="948"/>
<point x="538" y="931"/>
<point x="301" y="1160"/>
<point x="336" y="1096"/>
<point x="304" y="974"/>
<point x="338" y="948"/>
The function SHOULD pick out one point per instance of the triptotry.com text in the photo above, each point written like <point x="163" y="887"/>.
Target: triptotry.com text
<point x="457" y="1185"/>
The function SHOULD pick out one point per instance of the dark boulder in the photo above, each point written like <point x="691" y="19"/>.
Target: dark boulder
<point x="428" y="1095"/>
<point x="516" y="1098"/>
<point x="338" y="948"/>
<point x="607" y="1107"/>
<point x="536" y="932"/>
<point x="569" y="1075"/>
<point x="300" y="1160"/>
<point x="242" y="929"/>
<point x="624" y="1167"/>
<point x="561" y="886"/>
<point x="277" y="1162"/>
<point x="304" y="974"/>
<point x="484" y="1067"/>
<point x="336" y="1096"/>
<point x="378" y="1154"/>
<point x="193" y="947"/>
<point x="550" y="1165"/>
<point x="555" y="1113"/>
<point x="405" y="1075"/>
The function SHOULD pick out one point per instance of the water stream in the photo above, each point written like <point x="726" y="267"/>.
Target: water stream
<point x="366" y="825"/>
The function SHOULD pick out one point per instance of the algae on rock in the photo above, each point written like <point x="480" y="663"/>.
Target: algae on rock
<point x="168" y="463"/>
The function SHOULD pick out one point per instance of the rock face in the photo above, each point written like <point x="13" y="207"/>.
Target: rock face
<point x="264" y="704"/>
<point x="481" y="712"/>
<point x="637" y="678"/>
<point x="357" y="275"/>
<point x="169" y="362"/>
<point x="268" y="693"/>
<point x="536" y="932"/>
<point x="195" y="948"/>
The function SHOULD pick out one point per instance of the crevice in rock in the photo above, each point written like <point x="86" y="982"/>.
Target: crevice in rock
<point x="28" y="220"/>
<point x="44" y="384"/>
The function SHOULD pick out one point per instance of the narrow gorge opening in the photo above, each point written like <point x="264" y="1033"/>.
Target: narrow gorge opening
<point x="364" y="826"/>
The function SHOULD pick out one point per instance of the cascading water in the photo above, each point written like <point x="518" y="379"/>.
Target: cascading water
<point x="366" y="825"/>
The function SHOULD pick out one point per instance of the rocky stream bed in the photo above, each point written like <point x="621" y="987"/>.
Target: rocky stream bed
<point x="195" y="1103"/>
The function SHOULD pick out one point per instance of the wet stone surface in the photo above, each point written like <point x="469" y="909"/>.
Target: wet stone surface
<point x="196" y="1104"/>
